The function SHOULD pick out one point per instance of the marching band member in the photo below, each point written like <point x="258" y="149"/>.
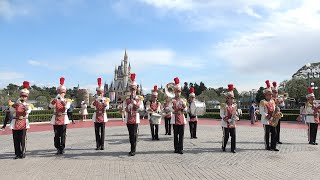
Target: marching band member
<point x="179" y="107"/>
<point x="228" y="114"/>
<point x="167" y="115"/>
<point x="192" y="118"/>
<point x="99" y="117"/>
<point x="20" y="123"/>
<point x="278" y="100"/>
<point x="153" y="106"/>
<point x="267" y="108"/>
<point x="132" y="104"/>
<point x="60" y="118"/>
<point x="312" y="117"/>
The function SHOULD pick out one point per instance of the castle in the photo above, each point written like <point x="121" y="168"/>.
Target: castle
<point x="121" y="81"/>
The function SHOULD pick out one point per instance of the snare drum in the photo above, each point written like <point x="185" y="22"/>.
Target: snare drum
<point x="155" y="118"/>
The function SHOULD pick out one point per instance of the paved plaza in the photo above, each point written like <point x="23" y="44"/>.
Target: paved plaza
<point x="202" y="158"/>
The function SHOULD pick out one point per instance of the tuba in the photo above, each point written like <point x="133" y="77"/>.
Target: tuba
<point x="169" y="90"/>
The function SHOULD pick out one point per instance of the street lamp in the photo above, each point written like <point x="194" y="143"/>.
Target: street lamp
<point x="308" y="65"/>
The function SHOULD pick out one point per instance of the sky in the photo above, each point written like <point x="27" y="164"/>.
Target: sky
<point x="240" y="42"/>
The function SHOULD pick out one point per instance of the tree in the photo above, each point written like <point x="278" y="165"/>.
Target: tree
<point x="236" y="93"/>
<point x="196" y="89"/>
<point x="209" y="95"/>
<point x="185" y="90"/>
<point x="297" y="88"/>
<point x="202" y="87"/>
<point x="12" y="89"/>
<point x="260" y="95"/>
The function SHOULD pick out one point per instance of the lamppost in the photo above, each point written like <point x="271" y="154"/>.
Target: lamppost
<point x="308" y="65"/>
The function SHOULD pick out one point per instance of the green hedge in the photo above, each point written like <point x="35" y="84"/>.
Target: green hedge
<point x="286" y="117"/>
<point x="37" y="117"/>
<point x="286" y="111"/>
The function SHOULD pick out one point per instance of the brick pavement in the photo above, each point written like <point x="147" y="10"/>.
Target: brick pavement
<point x="202" y="159"/>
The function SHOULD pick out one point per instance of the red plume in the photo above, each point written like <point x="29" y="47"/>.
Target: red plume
<point x="192" y="90"/>
<point x="268" y="83"/>
<point x="62" y="81"/>
<point x="310" y="90"/>
<point x="230" y="87"/>
<point x="176" y="80"/>
<point x="155" y="88"/>
<point x="99" y="82"/>
<point x="133" y="77"/>
<point x="25" y="84"/>
<point x="274" y="84"/>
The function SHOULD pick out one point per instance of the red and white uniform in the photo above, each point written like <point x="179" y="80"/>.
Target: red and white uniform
<point x="266" y="108"/>
<point x="230" y="112"/>
<point x="100" y="105"/>
<point x="20" y="113"/>
<point x="312" y="113"/>
<point x="178" y="117"/>
<point x="60" y="108"/>
<point x="153" y="107"/>
<point x="193" y="119"/>
<point x="132" y="108"/>
<point x="166" y="110"/>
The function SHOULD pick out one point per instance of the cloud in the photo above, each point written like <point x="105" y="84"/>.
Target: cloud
<point x="9" y="10"/>
<point x="105" y="62"/>
<point x="52" y="65"/>
<point x="4" y="76"/>
<point x="285" y="42"/>
<point x="206" y="15"/>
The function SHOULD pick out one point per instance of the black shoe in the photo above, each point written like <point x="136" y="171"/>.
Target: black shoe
<point x="275" y="149"/>
<point x="166" y="134"/>
<point x="180" y="152"/>
<point x="224" y="149"/>
<point x="315" y="143"/>
<point x="132" y="153"/>
<point x="279" y="142"/>
<point x="62" y="151"/>
<point x="58" y="152"/>
<point x="195" y="137"/>
<point x="176" y="151"/>
<point x="129" y="153"/>
<point x="268" y="148"/>
<point x="169" y="134"/>
<point x="23" y="156"/>
<point x="16" y="157"/>
<point x="311" y="143"/>
<point x="101" y="148"/>
<point x="97" y="148"/>
<point x="233" y="151"/>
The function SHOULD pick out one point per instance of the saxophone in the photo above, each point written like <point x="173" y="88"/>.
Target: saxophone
<point x="276" y="116"/>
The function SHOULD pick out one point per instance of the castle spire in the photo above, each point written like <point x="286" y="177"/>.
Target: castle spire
<point x="125" y="55"/>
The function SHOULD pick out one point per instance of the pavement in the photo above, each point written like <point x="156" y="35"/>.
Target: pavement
<point x="202" y="158"/>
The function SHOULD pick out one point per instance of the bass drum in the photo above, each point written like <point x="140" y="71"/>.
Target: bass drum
<point x="198" y="108"/>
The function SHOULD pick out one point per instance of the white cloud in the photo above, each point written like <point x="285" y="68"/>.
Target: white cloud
<point x="49" y="64"/>
<point x="105" y="62"/>
<point x="5" y="76"/>
<point x="206" y="15"/>
<point x="9" y="10"/>
<point x="285" y="41"/>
